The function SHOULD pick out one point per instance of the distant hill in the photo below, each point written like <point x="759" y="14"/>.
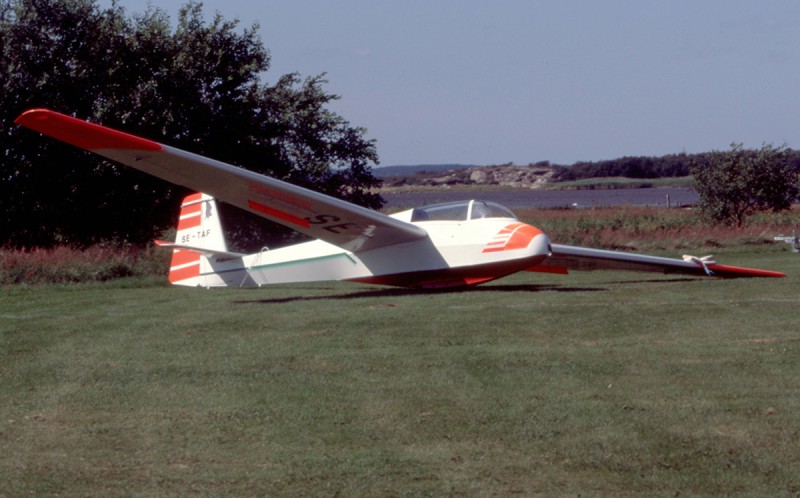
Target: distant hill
<point x="386" y="171"/>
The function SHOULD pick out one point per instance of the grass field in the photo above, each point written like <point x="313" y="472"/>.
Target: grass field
<point x="623" y="182"/>
<point x="588" y="384"/>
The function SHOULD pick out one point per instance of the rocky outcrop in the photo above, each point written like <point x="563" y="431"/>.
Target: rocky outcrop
<point x="531" y="176"/>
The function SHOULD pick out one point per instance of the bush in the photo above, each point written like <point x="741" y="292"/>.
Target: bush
<point x="735" y="184"/>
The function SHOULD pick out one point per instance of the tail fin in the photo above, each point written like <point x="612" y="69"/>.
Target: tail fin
<point x="199" y="225"/>
<point x="198" y="239"/>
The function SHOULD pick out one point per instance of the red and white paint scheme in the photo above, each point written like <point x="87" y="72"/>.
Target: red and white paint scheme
<point x="445" y="245"/>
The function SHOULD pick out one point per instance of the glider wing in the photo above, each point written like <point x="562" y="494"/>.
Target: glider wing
<point x="564" y="258"/>
<point x="338" y="222"/>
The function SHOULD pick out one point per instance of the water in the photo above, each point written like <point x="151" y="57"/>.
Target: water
<point x="516" y="199"/>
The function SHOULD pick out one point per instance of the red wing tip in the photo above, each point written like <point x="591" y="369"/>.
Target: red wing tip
<point x="736" y="271"/>
<point x="81" y="133"/>
<point x="31" y="114"/>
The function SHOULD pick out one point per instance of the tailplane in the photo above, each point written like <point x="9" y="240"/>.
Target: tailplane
<point x="199" y="243"/>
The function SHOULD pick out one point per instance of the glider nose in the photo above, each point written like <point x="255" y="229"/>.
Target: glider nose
<point x="522" y="241"/>
<point x="539" y="247"/>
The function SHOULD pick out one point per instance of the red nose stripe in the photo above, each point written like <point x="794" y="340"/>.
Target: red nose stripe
<point x="514" y="236"/>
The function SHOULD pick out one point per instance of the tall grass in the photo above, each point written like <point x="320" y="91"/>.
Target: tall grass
<point x="656" y="229"/>
<point x="65" y="264"/>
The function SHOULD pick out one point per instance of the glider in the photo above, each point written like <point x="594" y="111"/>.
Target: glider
<point x="444" y="245"/>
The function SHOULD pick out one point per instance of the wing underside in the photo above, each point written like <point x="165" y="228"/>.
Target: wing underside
<point x="564" y="258"/>
<point x="341" y="223"/>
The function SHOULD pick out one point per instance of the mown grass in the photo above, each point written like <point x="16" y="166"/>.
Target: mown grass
<point x="591" y="384"/>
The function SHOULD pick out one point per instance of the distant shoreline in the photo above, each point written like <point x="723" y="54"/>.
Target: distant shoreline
<point x="612" y="183"/>
<point x="516" y="198"/>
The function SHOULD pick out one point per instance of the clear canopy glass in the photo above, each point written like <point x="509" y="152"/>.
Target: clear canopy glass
<point x="461" y="211"/>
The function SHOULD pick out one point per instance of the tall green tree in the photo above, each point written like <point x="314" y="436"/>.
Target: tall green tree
<point x="734" y="184"/>
<point x="195" y="85"/>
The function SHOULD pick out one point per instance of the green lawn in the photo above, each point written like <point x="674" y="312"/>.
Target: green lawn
<point x="588" y="384"/>
<point x="624" y="182"/>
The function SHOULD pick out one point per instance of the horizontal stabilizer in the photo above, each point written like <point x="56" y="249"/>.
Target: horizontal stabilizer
<point x="201" y="250"/>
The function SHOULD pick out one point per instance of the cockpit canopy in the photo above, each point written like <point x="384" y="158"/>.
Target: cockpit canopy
<point x="461" y="211"/>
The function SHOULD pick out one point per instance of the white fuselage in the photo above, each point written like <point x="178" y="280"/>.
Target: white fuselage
<point x="455" y="253"/>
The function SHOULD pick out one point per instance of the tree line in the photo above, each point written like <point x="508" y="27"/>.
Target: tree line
<point x="195" y="84"/>
<point x="644" y="167"/>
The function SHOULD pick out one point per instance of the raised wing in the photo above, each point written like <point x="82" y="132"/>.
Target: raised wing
<point x="564" y="258"/>
<point x="341" y="223"/>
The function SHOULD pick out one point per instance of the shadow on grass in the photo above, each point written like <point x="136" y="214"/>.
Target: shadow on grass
<point x="395" y="292"/>
<point x="658" y="280"/>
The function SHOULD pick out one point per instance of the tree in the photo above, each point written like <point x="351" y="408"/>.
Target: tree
<point x="734" y="184"/>
<point x="195" y="86"/>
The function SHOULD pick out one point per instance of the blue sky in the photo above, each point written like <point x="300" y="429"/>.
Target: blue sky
<point x="490" y="82"/>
